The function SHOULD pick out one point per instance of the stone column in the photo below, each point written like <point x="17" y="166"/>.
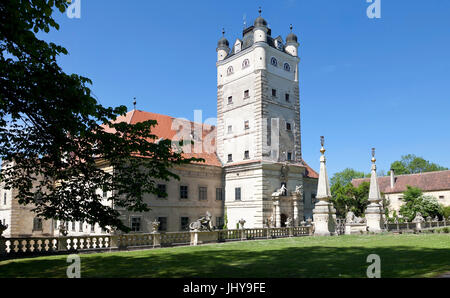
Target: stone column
<point x="276" y="211"/>
<point x="374" y="212"/>
<point x="297" y="201"/>
<point x="324" y="214"/>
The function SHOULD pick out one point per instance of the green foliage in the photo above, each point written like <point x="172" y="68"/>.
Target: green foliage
<point x="446" y="212"/>
<point x="344" y="177"/>
<point x="411" y="164"/>
<point x="52" y="129"/>
<point x="415" y="201"/>
<point x="349" y="198"/>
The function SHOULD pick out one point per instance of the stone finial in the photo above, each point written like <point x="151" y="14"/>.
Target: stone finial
<point x="418" y="218"/>
<point x="155" y="225"/>
<point x="242" y="223"/>
<point x="323" y="187"/>
<point x="374" y="190"/>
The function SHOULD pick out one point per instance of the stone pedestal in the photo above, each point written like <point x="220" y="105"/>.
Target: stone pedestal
<point x="156" y="239"/>
<point x="374" y="218"/>
<point x="324" y="216"/>
<point x="355" y="228"/>
<point x="204" y="237"/>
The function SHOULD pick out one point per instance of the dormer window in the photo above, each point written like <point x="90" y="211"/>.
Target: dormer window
<point x="288" y="126"/>
<point x="230" y="100"/>
<point x="245" y="63"/>
<point x="274" y="61"/>
<point x="287" y="67"/>
<point x="230" y="70"/>
<point x="246" y="94"/>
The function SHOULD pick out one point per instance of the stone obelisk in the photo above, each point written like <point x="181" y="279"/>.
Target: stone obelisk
<point x="374" y="211"/>
<point x="324" y="214"/>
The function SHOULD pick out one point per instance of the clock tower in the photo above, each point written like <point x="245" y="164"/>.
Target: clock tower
<point x="258" y="125"/>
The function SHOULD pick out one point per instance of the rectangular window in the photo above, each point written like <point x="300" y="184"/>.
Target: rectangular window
<point x="230" y="157"/>
<point x="4" y="198"/>
<point x="246" y="125"/>
<point x="246" y="154"/>
<point x="162" y="223"/>
<point x="92" y="228"/>
<point x="202" y="193"/>
<point x="441" y="197"/>
<point x="287" y="97"/>
<point x="246" y="94"/>
<point x="104" y="192"/>
<point x="55" y="224"/>
<point x="81" y="226"/>
<point x="219" y="194"/>
<point x="37" y="224"/>
<point x="135" y="224"/>
<point x="289" y="156"/>
<point x="230" y="129"/>
<point x="230" y="100"/>
<point x="183" y="192"/>
<point x="237" y="193"/>
<point x="184" y="224"/>
<point x="288" y="126"/>
<point x="274" y="92"/>
<point x="73" y="226"/>
<point x="161" y="189"/>
<point x="219" y="222"/>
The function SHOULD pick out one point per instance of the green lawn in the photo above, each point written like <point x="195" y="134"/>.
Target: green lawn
<point x="344" y="256"/>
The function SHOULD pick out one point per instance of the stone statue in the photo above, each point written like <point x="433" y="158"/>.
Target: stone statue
<point x="62" y="230"/>
<point x="418" y="218"/>
<point x="299" y="190"/>
<point x="351" y="218"/>
<point x="2" y="229"/>
<point x="202" y="224"/>
<point x="242" y="223"/>
<point x="155" y="225"/>
<point x="280" y="191"/>
<point x="268" y="222"/>
<point x="289" y="222"/>
<point x="284" y="172"/>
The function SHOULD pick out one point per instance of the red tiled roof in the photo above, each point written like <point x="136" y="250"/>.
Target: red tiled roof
<point x="166" y="129"/>
<point x="429" y="181"/>
<point x="310" y="172"/>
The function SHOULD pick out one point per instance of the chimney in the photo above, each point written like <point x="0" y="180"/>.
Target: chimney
<point x="392" y="178"/>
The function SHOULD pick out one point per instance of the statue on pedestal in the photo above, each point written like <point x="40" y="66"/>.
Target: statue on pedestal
<point x="2" y="229"/>
<point x="202" y="224"/>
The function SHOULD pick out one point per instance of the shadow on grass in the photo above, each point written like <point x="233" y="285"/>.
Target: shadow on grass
<point x="313" y="261"/>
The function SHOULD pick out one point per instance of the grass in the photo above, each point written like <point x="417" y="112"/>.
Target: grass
<point x="344" y="256"/>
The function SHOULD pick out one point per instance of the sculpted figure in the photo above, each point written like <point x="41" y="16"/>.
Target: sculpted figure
<point x="202" y="224"/>
<point x="2" y="229"/>
<point x="280" y="191"/>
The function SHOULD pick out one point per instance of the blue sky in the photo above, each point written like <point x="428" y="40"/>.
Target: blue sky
<point x="364" y="83"/>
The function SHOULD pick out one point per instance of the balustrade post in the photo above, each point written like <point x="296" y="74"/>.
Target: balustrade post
<point x="2" y="246"/>
<point x="194" y="237"/>
<point x="156" y="239"/>
<point x="62" y="243"/>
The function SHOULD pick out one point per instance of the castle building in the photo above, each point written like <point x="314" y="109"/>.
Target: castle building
<point x="252" y="153"/>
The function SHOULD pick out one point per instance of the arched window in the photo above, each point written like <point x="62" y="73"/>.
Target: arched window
<point x="230" y="70"/>
<point x="274" y="61"/>
<point x="287" y="67"/>
<point x="245" y="63"/>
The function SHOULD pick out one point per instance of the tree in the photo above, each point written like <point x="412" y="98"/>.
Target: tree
<point x="346" y="197"/>
<point x="52" y="131"/>
<point x="415" y="201"/>
<point x="411" y="164"/>
<point x="346" y="176"/>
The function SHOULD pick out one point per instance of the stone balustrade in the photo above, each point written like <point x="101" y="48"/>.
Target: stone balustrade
<point x="19" y="247"/>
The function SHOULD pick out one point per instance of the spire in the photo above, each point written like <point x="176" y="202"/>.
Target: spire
<point x="374" y="190"/>
<point x="323" y="187"/>
<point x="259" y="10"/>
<point x="223" y="32"/>
<point x="290" y="27"/>
<point x="134" y="103"/>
